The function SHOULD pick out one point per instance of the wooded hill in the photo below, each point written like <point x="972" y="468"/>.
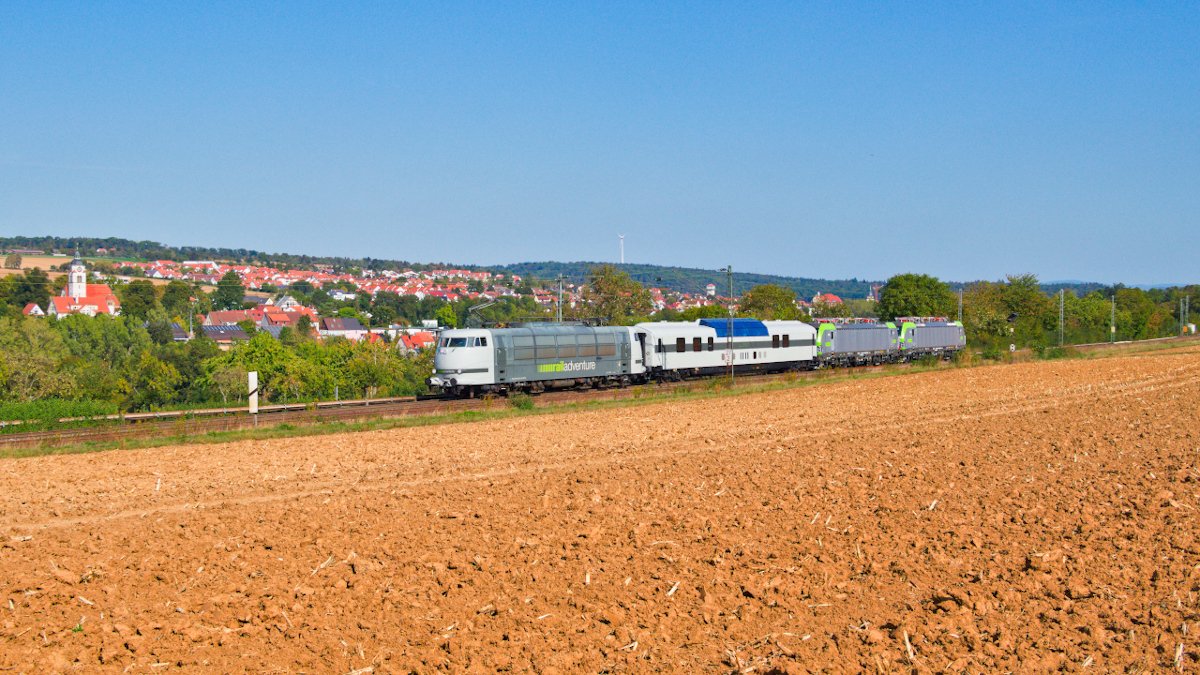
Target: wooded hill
<point x="679" y="279"/>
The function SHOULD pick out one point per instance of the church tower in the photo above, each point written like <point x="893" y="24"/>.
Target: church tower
<point x="77" y="280"/>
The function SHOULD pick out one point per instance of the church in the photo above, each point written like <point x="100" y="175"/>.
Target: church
<point x="80" y="297"/>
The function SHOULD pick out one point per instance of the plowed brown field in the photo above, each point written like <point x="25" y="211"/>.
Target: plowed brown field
<point x="1025" y="517"/>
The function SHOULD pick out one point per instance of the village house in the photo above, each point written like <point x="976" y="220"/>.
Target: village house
<point x="415" y="341"/>
<point x="232" y="317"/>
<point x="349" y="328"/>
<point x="225" y="336"/>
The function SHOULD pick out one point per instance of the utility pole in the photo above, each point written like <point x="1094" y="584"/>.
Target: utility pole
<point x="729" y="325"/>
<point x="1112" y="326"/>
<point x="560" y="293"/>
<point x="960" y="290"/>
<point x="621" y="237"/>
<point x="1062" y="299"/>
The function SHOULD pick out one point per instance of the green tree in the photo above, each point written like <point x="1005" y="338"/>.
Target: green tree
<point x="304" y="328"/>
<point x="446" y="317"/>
<point x="769" y="302"/>
<point x="1023" y="296"/>
<point x="281" y="372"/>
<point x="228" y="379"/>
<point x="301" y="290"/>
<point x="13" y="261"/>
<point x="138" y="299"/>
<point x="373" y="367"/>
<point x="916" y="295"/>
<point x="177" y="298"/>
<point x="830" y="311"/>
<point x="704" y="312"/>
<point x="158" y="325"/>
<point x="611" y="293"/>
<point x="230" y="293"/>
<point x="32" y="286"/>
<point x="155" y="384"/>
<point x="31" y="355"/>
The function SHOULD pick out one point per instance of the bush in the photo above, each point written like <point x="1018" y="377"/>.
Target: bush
<point x="719" y="383"/>
<point x="992" y="353"/>
<point x="51" y="410"/>
<point x="520" y="401"/>
<point x="46" y="413"/>
<point x="1050" y="353"/>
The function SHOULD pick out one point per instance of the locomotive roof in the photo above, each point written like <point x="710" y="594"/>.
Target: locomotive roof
<point x="558" y="329"/>
<point x="858" y="326"/>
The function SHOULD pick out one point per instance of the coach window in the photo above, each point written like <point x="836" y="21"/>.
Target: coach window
<point x="710" y="344"/>
<point x="681" y="345"/>
<point x="786" y="341"/>
<point x="660" y="349"/>
<point x="696" y="342"/>
<point x="774" y="342"/>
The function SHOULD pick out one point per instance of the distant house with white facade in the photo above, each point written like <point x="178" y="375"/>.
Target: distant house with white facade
<point x="349" y="328"/>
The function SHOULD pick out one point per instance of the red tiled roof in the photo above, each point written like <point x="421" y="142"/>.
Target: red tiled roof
<point x="229" y="317"/>
<point x="416" y="340"/>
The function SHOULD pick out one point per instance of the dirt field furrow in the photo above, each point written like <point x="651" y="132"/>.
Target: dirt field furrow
<point x="1027" y="517"/>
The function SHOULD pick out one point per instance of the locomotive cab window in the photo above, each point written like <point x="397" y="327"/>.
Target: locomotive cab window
<point x="454" y="342"/>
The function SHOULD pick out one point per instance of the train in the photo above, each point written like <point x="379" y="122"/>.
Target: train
<point x="536" y="357"/>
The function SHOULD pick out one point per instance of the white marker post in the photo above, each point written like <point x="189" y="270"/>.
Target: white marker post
<point x="253" y="377"/>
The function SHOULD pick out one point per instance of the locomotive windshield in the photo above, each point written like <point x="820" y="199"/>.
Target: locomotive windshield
<point x="454" y="342"/>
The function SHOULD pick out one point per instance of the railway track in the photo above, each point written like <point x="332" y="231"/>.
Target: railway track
<point x="199" y="423"/>
<point x="116" y="429"/>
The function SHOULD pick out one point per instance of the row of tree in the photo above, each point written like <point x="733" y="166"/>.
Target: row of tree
<point x="131" y="362"/>
<point x="117" y="361"/>
<point x="1019" y="311"/>
<point x="995" y="314"/>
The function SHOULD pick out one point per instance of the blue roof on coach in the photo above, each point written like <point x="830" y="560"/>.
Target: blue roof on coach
<point x="741" y="327"/>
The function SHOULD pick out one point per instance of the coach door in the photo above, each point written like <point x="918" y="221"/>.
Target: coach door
<point x="502" y="343"/>
<point x="625" y="354"/>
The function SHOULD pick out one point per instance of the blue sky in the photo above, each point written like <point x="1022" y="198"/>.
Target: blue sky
<point x="966" y="140"/>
